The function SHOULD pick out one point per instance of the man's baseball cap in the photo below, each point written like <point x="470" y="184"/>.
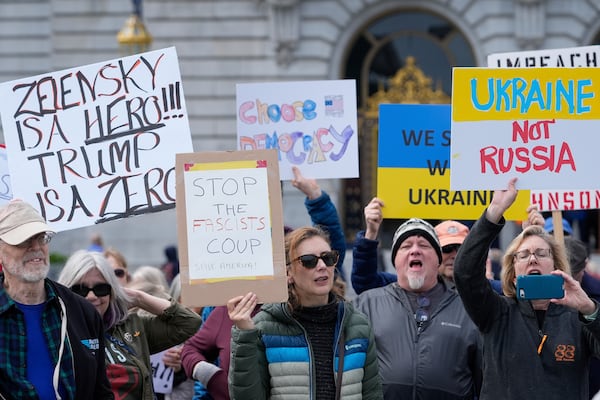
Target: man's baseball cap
<point x="19" y="221"/>
<point x="451" y="232"/>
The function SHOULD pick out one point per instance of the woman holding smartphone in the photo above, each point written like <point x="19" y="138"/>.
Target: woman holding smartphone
<point x="315" y="346"/>
<point x="533" y="349"/>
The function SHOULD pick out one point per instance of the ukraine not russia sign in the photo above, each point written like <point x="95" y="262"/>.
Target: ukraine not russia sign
<point x="539" y="125"/>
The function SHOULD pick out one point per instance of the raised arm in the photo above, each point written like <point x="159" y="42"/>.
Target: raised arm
<point x="323" y="213"/>
<point x="481" y="302"/>
<point x="365" y="273"/>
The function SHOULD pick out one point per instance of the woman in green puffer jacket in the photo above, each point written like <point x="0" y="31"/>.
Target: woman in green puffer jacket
<point x="315" y="346"/>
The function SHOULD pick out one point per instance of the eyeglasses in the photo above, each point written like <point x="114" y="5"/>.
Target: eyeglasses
<point x="450" y="248"/>
<point x="100" y="290"/>
<point x="422" y="314"/>
<point x="330" y="258"/>
<point x="119" y="272"/>
<point x="41" y="239"/>
<point x="525" y="255"/>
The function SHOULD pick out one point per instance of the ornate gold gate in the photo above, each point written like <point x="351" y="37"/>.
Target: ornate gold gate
<point x="408" y="86"/>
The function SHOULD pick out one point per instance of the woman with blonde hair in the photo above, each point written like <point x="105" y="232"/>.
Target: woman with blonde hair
<point x="315" y="345"/>
<point x="546" y="341"/>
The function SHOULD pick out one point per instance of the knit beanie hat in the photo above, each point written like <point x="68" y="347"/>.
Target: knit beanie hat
<point x="412" y="227"/>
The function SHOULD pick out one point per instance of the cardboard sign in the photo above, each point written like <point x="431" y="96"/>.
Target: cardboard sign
<point x="312" y="125"/>
<point x="413" y="175"/>
<point x="520" y="123"/>
<point x="585" y="56"/>
<point x="98" y="142"/>
<point x="230" y="227"/>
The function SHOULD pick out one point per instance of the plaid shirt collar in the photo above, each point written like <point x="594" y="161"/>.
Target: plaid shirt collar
<point x="6" y="302"/>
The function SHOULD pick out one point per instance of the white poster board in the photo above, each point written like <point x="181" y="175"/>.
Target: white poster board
<point x="584" y="56"/>
<point x="311" y="124"/>
<point x="571" y="57"/>
<point x="519" y="123"/>
<point x="230" y="231"/>
<point x="162" y="376"/>
<point x="96" y="143"/>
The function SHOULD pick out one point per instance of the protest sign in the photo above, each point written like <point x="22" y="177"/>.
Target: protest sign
<point x="230" y="226"/>
<point x="5" y="187"/>
<point x="413" y="175"/>
<point x="565" y="200"/>
<point x="572" y="57"/>
<point x="519" y="123"/>
<point x="310" y="124"/>
<point x="98" y="142"/>
<point x="584" y="56"/>
<point x="162" y="376"/>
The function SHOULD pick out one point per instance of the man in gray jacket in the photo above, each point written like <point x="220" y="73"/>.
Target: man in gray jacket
<point x="427" y="346"/>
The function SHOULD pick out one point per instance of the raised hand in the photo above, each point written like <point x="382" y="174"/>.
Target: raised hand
<point x="534" y="217"/>
<point x="308" y="186"/>
<point x="501" y="201"/>
<point x="373" y="218"/>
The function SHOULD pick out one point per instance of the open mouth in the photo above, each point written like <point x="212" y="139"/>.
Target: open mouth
<point x="534" y="272"/>
<point x="415" y="264"/>
<point x="321" y="279"/>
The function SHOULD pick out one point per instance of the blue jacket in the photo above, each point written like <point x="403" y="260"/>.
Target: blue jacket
<point x="323" y="213"/>
<point x="365" y="275"/>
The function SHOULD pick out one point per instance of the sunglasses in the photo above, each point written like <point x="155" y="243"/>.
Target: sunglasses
<point x="119" y="272"/>
<point x="330" y="258"/>
<point x="100" y="290"/>
<point x="450" y="248"/>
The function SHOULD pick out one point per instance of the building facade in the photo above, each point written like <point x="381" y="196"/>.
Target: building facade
<point x="223" y="42"/>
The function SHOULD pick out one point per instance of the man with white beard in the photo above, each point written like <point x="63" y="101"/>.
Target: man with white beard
<point x="51" y="339"/>
<point x="427" y="346"/>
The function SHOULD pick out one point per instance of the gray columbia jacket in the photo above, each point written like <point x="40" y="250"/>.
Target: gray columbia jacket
<point x="440" y="360"/>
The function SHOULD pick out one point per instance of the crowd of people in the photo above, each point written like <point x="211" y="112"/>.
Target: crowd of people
<point x="443" y="326"/>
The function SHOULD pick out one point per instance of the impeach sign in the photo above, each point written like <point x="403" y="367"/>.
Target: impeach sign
<point x="311" y="124"/>
<point x="97" y="143"/>
<point x="521" y="123"/>
<point x="573" y="57"/>
<point x="413" y="175"/>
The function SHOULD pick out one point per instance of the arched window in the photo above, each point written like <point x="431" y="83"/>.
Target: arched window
<point x="386" y="45"/>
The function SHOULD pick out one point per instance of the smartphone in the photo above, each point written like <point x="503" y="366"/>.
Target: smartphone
<point x="532" y="287"/>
